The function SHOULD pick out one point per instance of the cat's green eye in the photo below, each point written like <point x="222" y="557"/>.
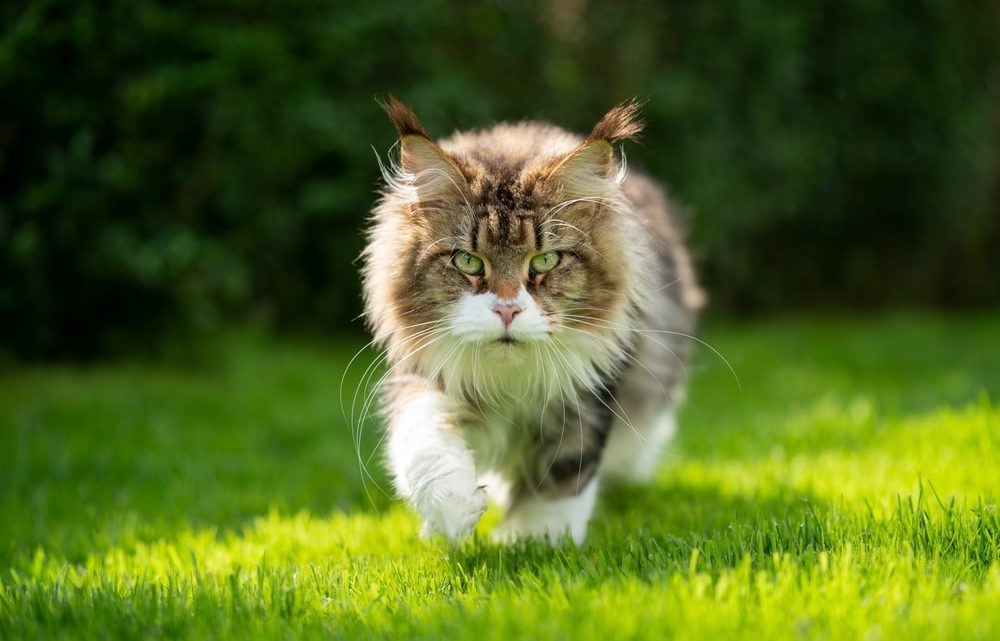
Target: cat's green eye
<point x="468" y="263"/>
<point x="544" y="262"/>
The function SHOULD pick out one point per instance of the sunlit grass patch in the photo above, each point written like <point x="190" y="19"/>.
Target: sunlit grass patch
<point x="848" y="491"/>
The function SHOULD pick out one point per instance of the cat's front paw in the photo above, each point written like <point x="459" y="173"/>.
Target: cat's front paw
<point x="453" y="511"/>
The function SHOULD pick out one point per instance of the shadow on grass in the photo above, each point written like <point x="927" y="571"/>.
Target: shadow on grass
<point x="833" y="382"/>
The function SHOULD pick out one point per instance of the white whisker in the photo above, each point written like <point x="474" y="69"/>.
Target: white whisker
<point x="638" y="330"/>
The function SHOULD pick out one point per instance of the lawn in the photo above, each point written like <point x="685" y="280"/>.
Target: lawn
<point x="845" y="488"/>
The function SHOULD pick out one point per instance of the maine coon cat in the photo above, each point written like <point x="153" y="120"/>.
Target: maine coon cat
<point x="535" y="302"/>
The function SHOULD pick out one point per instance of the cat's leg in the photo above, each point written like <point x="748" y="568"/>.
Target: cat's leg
<point x="556" y="496"/>
<point x="634" y="451"/>
<point x="550" y="516"/>
<point x="431" y="464"/>
<point x="648" y="396"/>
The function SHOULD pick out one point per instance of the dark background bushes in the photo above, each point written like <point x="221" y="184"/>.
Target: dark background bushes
<point x="165" y="168"/>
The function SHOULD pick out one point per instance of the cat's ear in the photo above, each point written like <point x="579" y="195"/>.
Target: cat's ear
<point x="433" y="173"/>
<point x="621" y="123"/>
<point x="587" y="170"/>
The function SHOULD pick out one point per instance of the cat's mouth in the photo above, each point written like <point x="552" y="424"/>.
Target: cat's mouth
<point x="513" y="341"/>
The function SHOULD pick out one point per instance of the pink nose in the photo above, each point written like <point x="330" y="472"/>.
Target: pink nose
<point x="507" y="312"/>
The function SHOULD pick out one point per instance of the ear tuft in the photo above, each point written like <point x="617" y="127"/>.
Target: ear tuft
<point x="621" y="123"/>
<point x="406" y="122"/>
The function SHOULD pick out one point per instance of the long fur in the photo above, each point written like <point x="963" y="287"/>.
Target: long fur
<point x="596" y="356"/>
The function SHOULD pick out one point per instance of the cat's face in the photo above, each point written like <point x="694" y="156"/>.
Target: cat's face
<point x="499" y="245"/>
<point x="508" y="266"/>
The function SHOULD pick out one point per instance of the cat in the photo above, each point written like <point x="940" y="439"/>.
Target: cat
<point x="535" y="302"/>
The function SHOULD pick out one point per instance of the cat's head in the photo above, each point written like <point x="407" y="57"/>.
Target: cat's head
<point x="507" y="245"/>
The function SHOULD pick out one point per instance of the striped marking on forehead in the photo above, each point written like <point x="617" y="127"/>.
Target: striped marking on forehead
<point x="506" y="229"/>
<point x="506" y="210"/>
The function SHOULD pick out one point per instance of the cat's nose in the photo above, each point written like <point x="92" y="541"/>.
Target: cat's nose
<point x="506" y="312"/>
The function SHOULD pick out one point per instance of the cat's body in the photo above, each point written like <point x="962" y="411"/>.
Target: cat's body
<point x="535" y="304"/>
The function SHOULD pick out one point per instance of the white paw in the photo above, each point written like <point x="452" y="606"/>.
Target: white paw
<point x="555" y="534"/>
<point x="552" y="519"/>
<point x="453" y="512"/>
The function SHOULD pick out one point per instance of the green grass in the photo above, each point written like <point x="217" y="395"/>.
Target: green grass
<point x="848" y="491"/>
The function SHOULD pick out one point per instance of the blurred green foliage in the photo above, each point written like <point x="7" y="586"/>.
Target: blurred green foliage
<point x="166" y="166"/>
